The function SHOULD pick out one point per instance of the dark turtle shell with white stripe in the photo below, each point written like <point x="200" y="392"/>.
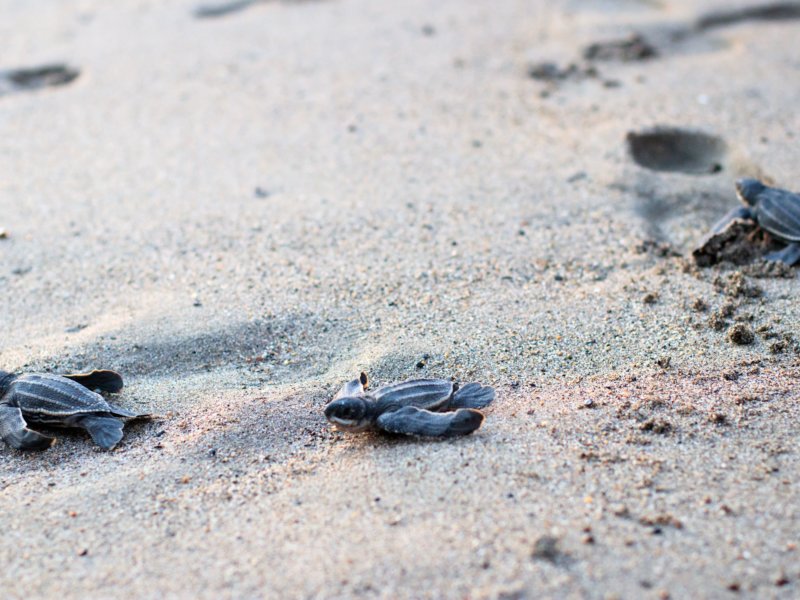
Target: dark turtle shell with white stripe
<point x="775" y="210"/>
<point x="421" y="407"/>
<point x="60" y="401"/>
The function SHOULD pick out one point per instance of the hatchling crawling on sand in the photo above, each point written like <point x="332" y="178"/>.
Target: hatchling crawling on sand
<point x="420" y="407"/>
<point x="60" y="401"/>
<point x="775" y="210"/>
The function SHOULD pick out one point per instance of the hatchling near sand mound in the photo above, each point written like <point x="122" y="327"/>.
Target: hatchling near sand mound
<point x="774" y="210"/>
<point x="420" y="407"/>
<point x="60" y="401"/>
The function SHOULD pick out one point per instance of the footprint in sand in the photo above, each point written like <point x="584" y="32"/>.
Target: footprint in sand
<point x="20" y="80"/>
<point x="677" y="150"/>
<point x="212" y="11"/>
<point x="778" y="11"/>
<point x="664" y="40"/>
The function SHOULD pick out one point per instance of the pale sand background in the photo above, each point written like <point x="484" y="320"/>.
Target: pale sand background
<point x="404" y="150"/>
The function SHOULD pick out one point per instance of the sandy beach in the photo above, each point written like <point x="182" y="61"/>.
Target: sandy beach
<point x="239" y="207"/>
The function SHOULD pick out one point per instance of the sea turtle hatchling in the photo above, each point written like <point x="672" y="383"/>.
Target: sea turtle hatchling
<point x="776" y="211"/>
<point x="421" y="407"/>
<point x="60" y="401"/>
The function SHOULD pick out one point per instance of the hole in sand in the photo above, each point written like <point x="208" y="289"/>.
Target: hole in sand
<point x="778" y="11"/>
<point x="677" y="150"/>
<point x="40" y="77"/>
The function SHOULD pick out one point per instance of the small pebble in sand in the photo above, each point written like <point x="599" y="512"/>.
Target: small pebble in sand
<point x="717" y="322"/>
<point x="650" y="298"/>
<point x="699" y="305"/>
<point x="428" y="30"/>
<point x="664" y="362"/>
<point x="632" y="48"/>
<point x="3" y="234"/>
<point x="741" y="334"/>
<point x="737" y="285"/>
<point x="777" y="347"/>
<point x="656" y="425"/>
<point x="546" y="548"/>
<point x="661" y="519"/>
<point x="727" y="309"/>
<point x="620" y="510"/>
<point x="781" y="579"/>
<point x="549" y="71"/>
<point x="717" y="418"/>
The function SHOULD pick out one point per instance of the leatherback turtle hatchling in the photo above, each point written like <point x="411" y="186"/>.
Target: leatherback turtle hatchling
<point x="60" y="401"/>
<point x="415" y="407"/>
<point x="774" y="210"/>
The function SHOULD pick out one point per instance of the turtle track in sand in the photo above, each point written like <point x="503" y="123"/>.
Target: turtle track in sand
<point x="35" y="78"/>
<point x="268" y="342"/>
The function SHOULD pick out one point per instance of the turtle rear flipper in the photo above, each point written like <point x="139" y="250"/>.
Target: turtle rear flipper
<point x="416" y="421"/>
<point x="108" y="381"/>
<point x="126" y="414"/>
<point x="14" y="431"/>
<point x="789" y="255"/>
<point x="105" y="431"/>
<point x="472" y="395"/>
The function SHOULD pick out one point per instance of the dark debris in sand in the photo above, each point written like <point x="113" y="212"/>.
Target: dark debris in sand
<point x="632" y="48"/>
<point x="742" y="243"/>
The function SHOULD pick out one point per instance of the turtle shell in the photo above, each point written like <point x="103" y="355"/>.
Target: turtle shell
<point x="428" y="394"/>
<point x="53" y="396"/>
<point x="778" y="212"/>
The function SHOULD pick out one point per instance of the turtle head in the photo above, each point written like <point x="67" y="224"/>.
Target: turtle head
<point x="355" y="387"/>
<point x="349" y="414"/>
<point x="5" y="380"/>
<point x="748" y="190"/>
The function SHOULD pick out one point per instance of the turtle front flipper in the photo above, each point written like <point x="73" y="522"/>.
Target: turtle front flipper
<point x="741" y="212"/>
<point x="14" y="431"/>
<point x="354" y="388"/>
<point x="108" y="381"/>
<point x="472" y="395"/>
<point x="789" y="255"/>
<point x="410" y="420"/>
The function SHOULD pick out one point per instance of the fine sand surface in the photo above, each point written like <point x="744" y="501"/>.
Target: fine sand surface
<point x="241" y="207"/>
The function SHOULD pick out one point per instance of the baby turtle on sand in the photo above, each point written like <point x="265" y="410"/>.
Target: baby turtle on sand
<point x="415" y="407"/>
<point x="60" y="401"/>
<point x="776" y="211"/>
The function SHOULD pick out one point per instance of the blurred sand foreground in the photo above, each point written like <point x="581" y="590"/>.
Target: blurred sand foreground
<point x="239" y="211"/>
